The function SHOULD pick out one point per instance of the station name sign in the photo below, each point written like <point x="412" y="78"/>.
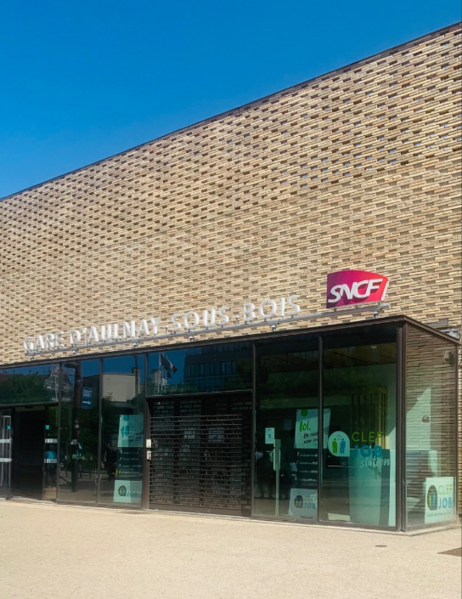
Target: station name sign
<point x="149" y="328"/>
<point x="344" y="288"/>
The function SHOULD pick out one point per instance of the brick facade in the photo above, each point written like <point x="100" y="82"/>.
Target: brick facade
<point x="357" y="168"/>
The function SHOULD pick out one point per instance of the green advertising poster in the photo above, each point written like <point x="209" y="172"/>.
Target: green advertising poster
<point x="131" y="431"/>
<point x="306" y="428"/>
<point x="128" y="491"/>
<point x="129" y="471"/>
<point x="439" y="499"/>
<point x="303" y="503"/>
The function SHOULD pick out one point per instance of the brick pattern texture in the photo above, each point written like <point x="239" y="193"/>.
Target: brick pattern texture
<point x="357" y="168"/>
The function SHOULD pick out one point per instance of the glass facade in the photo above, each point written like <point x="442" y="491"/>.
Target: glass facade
<point x="29" y="384"/>
<point x="78" y="455"/>
<point x="359" y="450"/>
<point x="304" y="427"/>
<point x="122" y="430"/>
<point x="286" y="439"/>
<point x="209" y="369"/>
<point x="431" y="428"/>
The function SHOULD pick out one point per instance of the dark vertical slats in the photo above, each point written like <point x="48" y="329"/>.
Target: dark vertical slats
<point x="201" y="454"/>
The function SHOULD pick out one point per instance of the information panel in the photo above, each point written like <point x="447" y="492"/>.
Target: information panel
<point x="129" y="470"/>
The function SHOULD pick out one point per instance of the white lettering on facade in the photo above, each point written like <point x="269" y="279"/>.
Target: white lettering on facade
<point x="208" y="320"/>
<point x="267" y="311"/>
<point x="155" y="323"/>
<point x="224" y="318"/>
<point x="354" y="292"/>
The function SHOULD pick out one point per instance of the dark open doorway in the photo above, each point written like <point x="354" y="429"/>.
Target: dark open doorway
<point x="34" y="432"/>
<point x="28" y="452"/>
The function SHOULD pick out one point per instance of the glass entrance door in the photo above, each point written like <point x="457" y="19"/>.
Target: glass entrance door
<point x="359" y="459"/>
<point x="5" y="452"/>
<point x="286" y="463"/>
<point x="286" y="434"/>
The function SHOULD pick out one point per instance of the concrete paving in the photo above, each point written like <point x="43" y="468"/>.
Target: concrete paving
<point x="61" y="552"/>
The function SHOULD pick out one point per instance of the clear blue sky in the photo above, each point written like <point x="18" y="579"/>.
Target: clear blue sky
<point x="84" y="80"/>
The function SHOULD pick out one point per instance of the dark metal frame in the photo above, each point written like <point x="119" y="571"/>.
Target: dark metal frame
<point x="7" y="490"/>
<point x="320" y="423"/>
<point x="58" y="452"/>
<point x="254" y="426"/>
<point x="401" y="429"/>
<point x="457" y="415"/>
<point x="100" y="429"/>
<point x="147" y="426"/>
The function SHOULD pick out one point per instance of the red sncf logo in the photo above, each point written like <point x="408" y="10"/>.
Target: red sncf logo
<point x="348" y="287"/>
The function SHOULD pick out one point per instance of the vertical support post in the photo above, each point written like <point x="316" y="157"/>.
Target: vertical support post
<point x="75" y="453"/>
<point x="58" y="449"/>
<point x="147" y="435"/>
<point x="254" y="425"/>
<point x="277" y="469"/>
<point x="100" y="423"/>
<point x="457" y="436"/>
<point x="320" y="425"/>
<point x="401" y="484"/>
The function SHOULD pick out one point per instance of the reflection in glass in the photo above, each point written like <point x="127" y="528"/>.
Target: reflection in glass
<point x="122" y="436"/>
<point x="286" y="452"/>
<point x="223" y="367"/>
<point x="359" y="457"/>
<point x="431" y="428"/>
<point x="79" y="431"/>
<point x="29" y="384"/>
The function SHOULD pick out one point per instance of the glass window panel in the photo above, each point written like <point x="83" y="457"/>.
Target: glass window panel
<point x="359" y="453"/>
<point x="214" y="368"/>
<point x="29" y="384"/>
<point x="286" y="370"/>
<point x="78" y="456"/>
<point x="286" y="452"/>
<point x="431" y="428"/>
<point x="122" y="435"/>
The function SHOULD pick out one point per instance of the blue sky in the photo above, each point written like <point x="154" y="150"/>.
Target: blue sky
<point x="82" y="81"/>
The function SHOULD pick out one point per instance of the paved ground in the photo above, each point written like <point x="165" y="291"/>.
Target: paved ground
<point x="58" y="552"/>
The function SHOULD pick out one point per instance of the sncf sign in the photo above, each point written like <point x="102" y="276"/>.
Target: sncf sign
<point x="347" y="287"/>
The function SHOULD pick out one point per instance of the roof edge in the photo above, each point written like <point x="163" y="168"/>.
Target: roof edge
<point x="251" y="337"/>
<point x="225" y="113"/>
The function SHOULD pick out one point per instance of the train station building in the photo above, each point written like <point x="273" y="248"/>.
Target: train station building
<point x="257" y="315"/>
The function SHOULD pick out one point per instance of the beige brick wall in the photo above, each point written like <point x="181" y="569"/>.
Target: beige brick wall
<point x="358" y="168"/>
